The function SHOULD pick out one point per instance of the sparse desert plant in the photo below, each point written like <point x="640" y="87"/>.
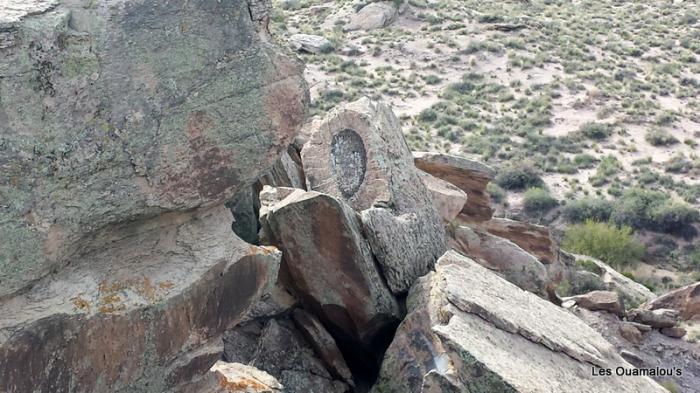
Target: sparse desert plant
<point x="607" y="242"/>
<point x="660" y="137"/>
<point x="594" y="130"/>
<point x="538" y="201"/>
<point x="597" y="209"/>
<point x="519" y="178"/>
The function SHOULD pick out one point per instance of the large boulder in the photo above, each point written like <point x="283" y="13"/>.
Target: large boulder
<point x="141" y="314"/>
<point x="358" y="153"/>
<point x="310" y="43"/>
<point x="330" y="265"/>
<point x="470" y="176"/>
<point x="124" y="127"/>
<point x="609" y="301"/>
<point x="374" y="15"/>
<point x="502" y="256"/>
<point x="685" y="300"/>
<point x="126" y="109"/>
<point x="468" y="330"/>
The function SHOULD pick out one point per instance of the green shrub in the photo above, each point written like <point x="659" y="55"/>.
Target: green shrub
<point x="653" y="210"/>
<point x="497" y="194"/>
<point x="660" y="137"/>
<point x="596" y="130"/>
<point x="428" y="115"/>
<point x="519" y="178"/>
<point x="596" y="209"/>
<point x="607" y="242"/>
<point x="538" y="200"/>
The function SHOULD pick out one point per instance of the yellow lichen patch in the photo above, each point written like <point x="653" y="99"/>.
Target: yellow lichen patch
<point x="80" y="303"/>
<point x="146" y="289"/>
<point x="241" y="385"/>
<point x="167" y="284"/>
<point x="111" y="303"/>
<point x="114" y="286"/>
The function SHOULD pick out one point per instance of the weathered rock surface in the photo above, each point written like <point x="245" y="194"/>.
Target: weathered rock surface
<point x="330" y="265"/>
<point x="278" y="348"/>
<point x="310" y="43"/>
<point x="650" y="349"/>
<point x="139" y="314"/>
<point x="373" y="16"/>
<point x="503" y="257"/>
<point x="685" y="300"/>
<point x="532" y="238"/>
<point x="469" y="330"/>
<point x="447" y="198"/>
<point x="235" y="378"/>
<point x="658" y="318"/>
<point x="127" y="109"/>
<point x="470" y="176"/>
<point x="358" y="153"/>
<point x="632" y="292"/>
<point x="609" y="301"/>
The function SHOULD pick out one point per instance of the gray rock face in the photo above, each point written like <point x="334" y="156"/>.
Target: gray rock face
<point x="502" y="256"/>
<point x="358" y="153"/>
<point x="658" y="318"/>
<point x="373" y="16"/>
<point x="126" y="109"/>
<point x="330" y="264"/>
<point x="470" y="331"/>
<point x="310" y="43"/>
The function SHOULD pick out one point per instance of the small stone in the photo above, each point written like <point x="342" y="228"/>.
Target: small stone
<point x="630" y="333"/>
<point x="660" y="318"/>
<point x="608" y="301"/>
<point x="673" y="332"/>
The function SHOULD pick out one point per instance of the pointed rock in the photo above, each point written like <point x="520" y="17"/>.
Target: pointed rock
<point x="358" y="153"/>
<point x="330" y="264"/>
<point x="685" y="300"/>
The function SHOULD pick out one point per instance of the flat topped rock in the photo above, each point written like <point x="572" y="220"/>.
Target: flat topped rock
<point x="468" y="330"/>
<point x="457" y="162"/>
<point x="12" y="11"/>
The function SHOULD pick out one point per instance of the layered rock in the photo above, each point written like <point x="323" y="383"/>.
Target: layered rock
<point x="469" y="330"/>
<point x="330" y="265"/>
<point x="125" y="110"/>
<point x="470" y="176"/>
<point x="235" y="378"/>
<point x="447" y="198"/>
<point x="503" y="257"/>
<point x="609" y="301"/>
<point x="532" y="238"/>
<point x="139" y="314"/>
<point x="358" y="153"/>
<point x="685" y="300"/>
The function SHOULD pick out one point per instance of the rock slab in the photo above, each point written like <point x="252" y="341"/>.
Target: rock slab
<point x="468" y="330"/>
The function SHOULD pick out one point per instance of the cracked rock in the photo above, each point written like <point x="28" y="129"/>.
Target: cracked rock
<point x="468" y="330"/>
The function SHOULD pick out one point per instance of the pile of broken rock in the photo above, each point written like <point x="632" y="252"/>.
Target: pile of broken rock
<point x="355" y="265"/>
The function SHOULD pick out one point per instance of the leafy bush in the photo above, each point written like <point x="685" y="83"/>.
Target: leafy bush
<point x="660" y="137"/>
<point x="497" y="194"/>
<point x="595" y="130"/>
<point x="653" y="210"/>
<point x="538" y="200"/>
<point x="428" y="115"/>
<point x="607" y="242"/>
<point x="519" y="178"/>
<point x="596" y="209"/>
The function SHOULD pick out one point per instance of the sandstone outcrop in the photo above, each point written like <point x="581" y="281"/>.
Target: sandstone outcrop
<point x="310" y="43"/>
<point x="503" y="257"/>
<point x="447" y="198"/>
<point x="469" y="330"/>
<point x="657" y="318"/>
<point x="532" y="238"/>
<point x="685" y="300"/>
<point x="124" y="128"/>
<point x="470" y="176"/>
<point x="236" y="378"/>
<point x="358" y="153"/>
<point x="330" y="264"/>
